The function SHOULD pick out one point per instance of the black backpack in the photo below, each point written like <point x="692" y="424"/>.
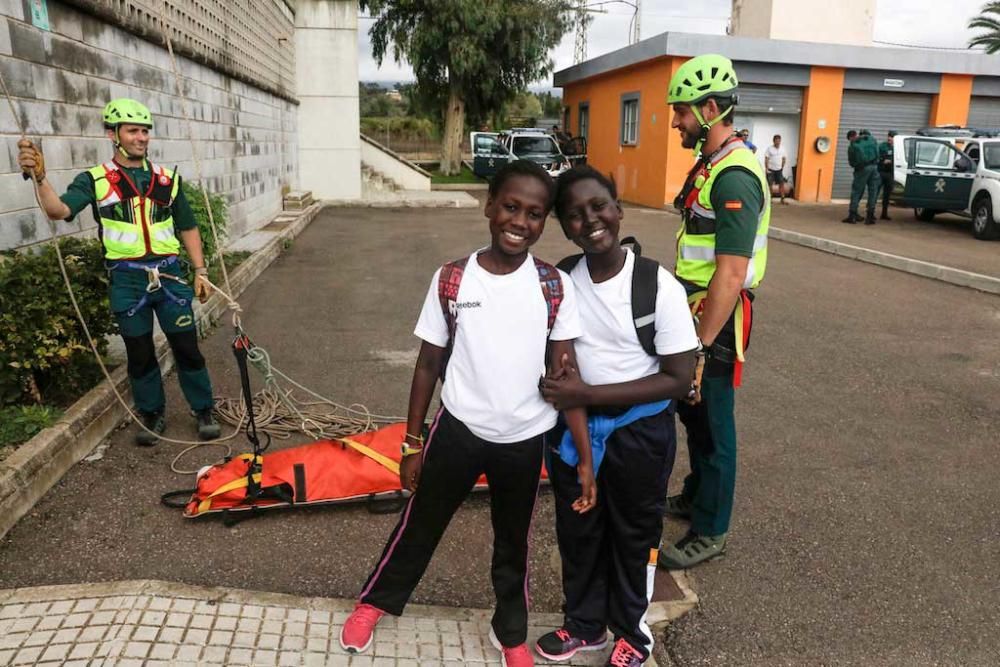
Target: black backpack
<point x="644" y="288"/>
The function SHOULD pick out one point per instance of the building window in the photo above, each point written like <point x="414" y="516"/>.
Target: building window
<point x="583" y="126"/>
<point x="565" y="125"/>
<point x="629" y="134"/>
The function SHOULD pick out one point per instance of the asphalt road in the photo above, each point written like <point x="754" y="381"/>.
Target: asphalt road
<point x="867" y="515"/>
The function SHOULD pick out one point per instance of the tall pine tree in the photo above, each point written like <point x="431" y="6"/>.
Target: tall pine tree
<point x="471" y="56"/>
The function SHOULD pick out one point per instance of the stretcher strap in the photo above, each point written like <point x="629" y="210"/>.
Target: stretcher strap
<point x="381" y="459"/>
<point x="238" y="483"/>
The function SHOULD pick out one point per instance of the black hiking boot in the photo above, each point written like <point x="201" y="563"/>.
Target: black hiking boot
<point x="208" y="428"/>
<point x="155" y="422"/>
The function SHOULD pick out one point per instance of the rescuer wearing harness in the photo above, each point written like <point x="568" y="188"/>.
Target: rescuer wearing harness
<point x="140" y="211"/>
<point x="721" y="256"/>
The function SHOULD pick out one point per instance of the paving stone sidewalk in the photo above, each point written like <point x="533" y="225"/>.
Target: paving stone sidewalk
<point x="152" y="623"/>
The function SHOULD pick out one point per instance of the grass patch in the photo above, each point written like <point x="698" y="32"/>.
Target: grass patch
<point x="20" y="423"/>
<point x="465" y="176"/>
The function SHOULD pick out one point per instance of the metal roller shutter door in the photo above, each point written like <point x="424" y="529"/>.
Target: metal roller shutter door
<point x="756" y="98"/>
<point x="878" y="112"/>
<point x="984" y="112"/>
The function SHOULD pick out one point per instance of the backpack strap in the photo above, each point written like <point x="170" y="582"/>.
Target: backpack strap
<point x="567" y="264"/>
<point x="552" y="290"/>
<point x="644" y="289"/>
<point x="449" y="281"/>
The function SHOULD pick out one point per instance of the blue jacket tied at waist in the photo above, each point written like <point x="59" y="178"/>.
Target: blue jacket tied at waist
<point x="601" y="427"/>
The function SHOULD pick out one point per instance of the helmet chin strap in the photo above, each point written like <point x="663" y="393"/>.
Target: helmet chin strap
<point x="706" y="126"/>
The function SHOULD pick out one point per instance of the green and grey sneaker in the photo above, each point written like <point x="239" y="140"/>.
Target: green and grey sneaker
<point x="154" y="421"/>
<point x="208" y="428"/>
<point x="678" y="506"/>
<point x="691" y="550"/>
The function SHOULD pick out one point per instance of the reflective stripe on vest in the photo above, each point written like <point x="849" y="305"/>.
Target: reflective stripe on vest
<point x="696" y="252"/>
<point x="137" y="235"/>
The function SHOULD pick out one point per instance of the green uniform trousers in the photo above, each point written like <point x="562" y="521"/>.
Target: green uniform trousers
<point x="172" y="305"/>
<point x="711" y="442"/>
<point x="865" y="178"/>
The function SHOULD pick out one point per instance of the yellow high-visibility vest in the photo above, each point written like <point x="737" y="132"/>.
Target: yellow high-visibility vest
<point x="135" y="224"/>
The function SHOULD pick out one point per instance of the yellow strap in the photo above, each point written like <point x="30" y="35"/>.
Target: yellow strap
<point x="739" y="329"/>
<point x="382" y="459"/>
<point x="239" y="483"/>
<point x="695" y="299"/>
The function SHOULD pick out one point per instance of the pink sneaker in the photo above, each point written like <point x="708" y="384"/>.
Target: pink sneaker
<point x="517" y="656"/>
<point x="356" y="635"/>
<point x="625" y="655"/>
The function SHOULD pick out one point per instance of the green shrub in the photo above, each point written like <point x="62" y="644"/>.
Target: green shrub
<point x="19" y="423"/>
<point x="406" y="128"/>
<point x="220" y="212"/>
<point x="44" y="354"/>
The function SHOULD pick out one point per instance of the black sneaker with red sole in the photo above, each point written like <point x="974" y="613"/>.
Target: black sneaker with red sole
<point x="560" y="645"/>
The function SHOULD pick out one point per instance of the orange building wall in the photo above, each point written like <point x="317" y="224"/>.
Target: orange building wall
<point x="679" y="159"/>
<point x="639" y="171"/>
<point x="951" y="104"/>
<point x="820" y="105"/>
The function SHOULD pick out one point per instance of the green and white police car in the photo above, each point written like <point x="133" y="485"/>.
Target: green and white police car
<point x="492" y="150"/>
<point x="955" y="171"/>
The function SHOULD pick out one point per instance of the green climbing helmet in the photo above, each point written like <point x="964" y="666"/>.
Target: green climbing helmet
<point x="124" y="110"/>
<point x="709" y="75"/>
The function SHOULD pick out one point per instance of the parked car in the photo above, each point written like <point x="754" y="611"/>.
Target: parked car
<point x="953" y="174"/>
<point x="492" y="150"/>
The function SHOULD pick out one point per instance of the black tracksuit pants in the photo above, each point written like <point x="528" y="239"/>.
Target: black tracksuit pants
<point x="454" y="459"/>
<point x="609" y="553"/>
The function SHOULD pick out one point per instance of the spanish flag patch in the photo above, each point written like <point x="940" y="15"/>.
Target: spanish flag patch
<point x="733" y="205"/>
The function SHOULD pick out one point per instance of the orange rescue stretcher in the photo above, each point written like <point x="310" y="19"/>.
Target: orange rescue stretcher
<point x="358" y="468"/>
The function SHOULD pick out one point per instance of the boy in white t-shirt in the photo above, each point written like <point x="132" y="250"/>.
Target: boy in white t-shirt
<point x="504" y="306"/>
<point x="609" y="554"/>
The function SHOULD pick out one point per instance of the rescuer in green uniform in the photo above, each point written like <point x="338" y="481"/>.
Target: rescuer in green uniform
<point x="862" y="155"/>
<point x="140" y="211"/>
<point x="725" y="206"/>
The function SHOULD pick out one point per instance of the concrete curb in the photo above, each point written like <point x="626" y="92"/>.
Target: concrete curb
<point x="916" y="267"/>
<point x="465" y="187"/>
<point x="465" y="201"/>
<point x="37" y="465"/>
<point x="661" y="613"/>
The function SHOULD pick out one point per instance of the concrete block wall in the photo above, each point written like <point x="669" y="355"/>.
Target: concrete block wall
<point x="246" y="139"/>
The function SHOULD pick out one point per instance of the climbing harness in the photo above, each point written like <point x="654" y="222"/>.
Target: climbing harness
<point x="155" y="280"/>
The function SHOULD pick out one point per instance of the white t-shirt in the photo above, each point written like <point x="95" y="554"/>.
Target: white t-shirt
<point x="609" y="351"/>
<point x="498" y="356"/>
<point x="773" y="157"/>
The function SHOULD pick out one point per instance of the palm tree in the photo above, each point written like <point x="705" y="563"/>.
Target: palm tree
<point x="988" y="20"/>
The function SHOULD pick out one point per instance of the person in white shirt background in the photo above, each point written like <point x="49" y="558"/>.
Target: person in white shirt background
<point x="775" y="159"/>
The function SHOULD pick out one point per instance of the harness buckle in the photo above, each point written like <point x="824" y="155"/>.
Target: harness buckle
<point x="153" y="275"/>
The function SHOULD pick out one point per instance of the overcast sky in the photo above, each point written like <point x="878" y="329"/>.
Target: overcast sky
<point x="910" y="22"/>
